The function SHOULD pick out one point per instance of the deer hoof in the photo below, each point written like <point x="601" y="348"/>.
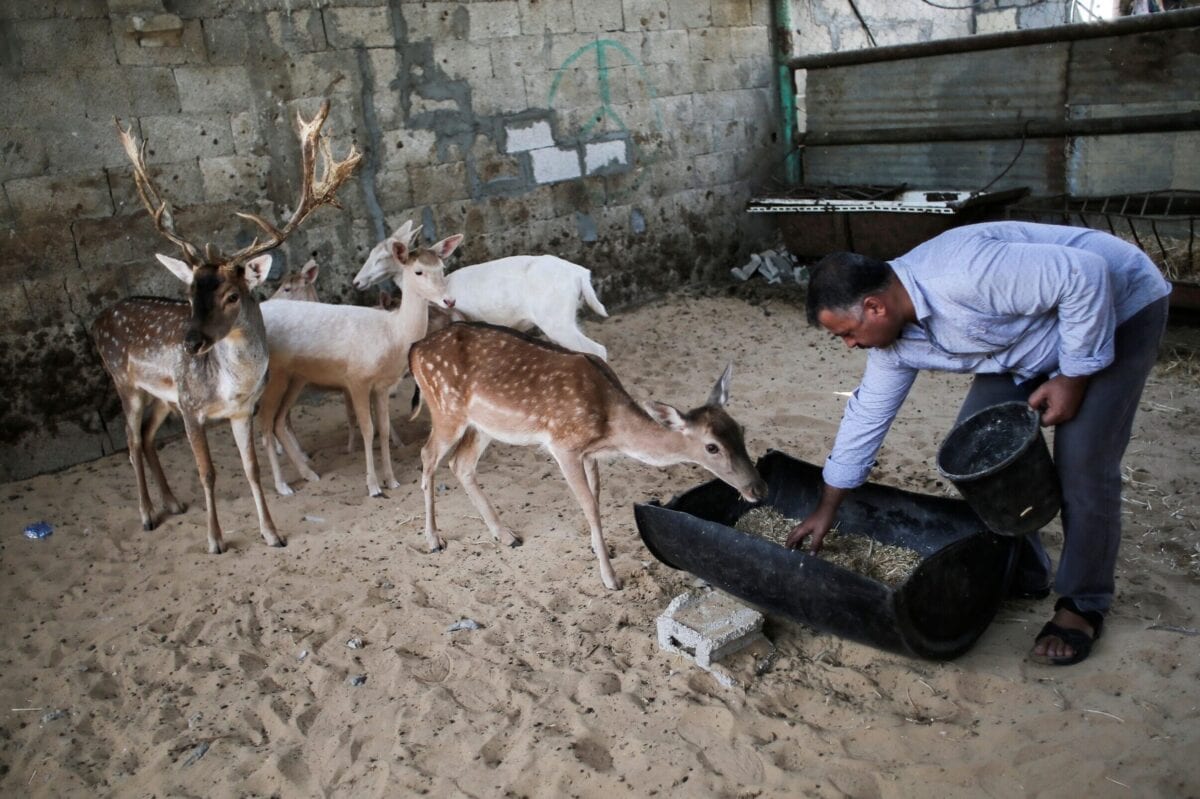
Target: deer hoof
<point x="377" y="492"/>
<point x="216" y="547"/>
<point x="310" y="475"/>
<point x="437" y="547"/>
<point x="613" y="584"/>
<point x="509" y="538"/>
<point x="393" y="483"/>
<point x="279" y="541"/>
<point x="284" y="490"/>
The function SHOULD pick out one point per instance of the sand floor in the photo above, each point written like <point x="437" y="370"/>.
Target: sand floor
<point x="135" y="664"/>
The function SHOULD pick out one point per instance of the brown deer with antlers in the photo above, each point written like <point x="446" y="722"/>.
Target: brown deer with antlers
<point x="483" y="382"/>
<point x="205" y="358"/>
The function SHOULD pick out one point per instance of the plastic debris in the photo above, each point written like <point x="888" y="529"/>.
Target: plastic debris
<point x="308" y="517"/>
<point x="355" y="643"/>
<point x="53" y="715"/>
<point x="357" y="680"/>
<point x="303" y="654"/>
<point x="463" y="624"/>
<point x="198" y="752"/>
<point x="38" y="530"/>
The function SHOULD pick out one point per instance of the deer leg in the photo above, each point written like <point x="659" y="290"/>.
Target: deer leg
<point x="208" y="478"/>
<point x="283" y="431"/>
<point x="350" y="422"/>
<point x="575" y="472"/>
<point x="268" y="410"/>
<point x="243" y="434"/>
<point x="566" y="333"/>
<point x="158" y="414"/>
<point x="288" y="402"/>
<point x="361" y="395"/>
<point x="383" y="418"/>
<point x="134" y="403"/>
<point x="592" y="469"/>
<point x="463" y="462"/>
<point x="435" y="449"/>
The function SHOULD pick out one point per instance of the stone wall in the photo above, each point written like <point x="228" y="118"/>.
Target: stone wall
<point x="625" y="135"/>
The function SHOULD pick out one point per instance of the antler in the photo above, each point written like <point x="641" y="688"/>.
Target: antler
<point x="160" y="210"/>
<point x="314" y="192"/>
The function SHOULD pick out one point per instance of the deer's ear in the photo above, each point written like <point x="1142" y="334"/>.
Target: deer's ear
<point x="446" y="246"/>
<point x="406" y="232"/>
<point x="309" y="270"/>
<point x="400" y="250"/>
<point x="178" y="268"/>
<point x="257" y="269"/>
<point x="720" y="393"/>
<point x="666" y="415"/>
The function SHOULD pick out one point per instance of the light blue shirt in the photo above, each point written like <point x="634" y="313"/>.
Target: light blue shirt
<point x="994" y="298"/>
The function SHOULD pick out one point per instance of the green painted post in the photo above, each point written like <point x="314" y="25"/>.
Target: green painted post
<point x="782" y="13"/>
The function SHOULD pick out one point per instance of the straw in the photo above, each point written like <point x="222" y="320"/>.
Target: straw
<point x="863" y="554"/>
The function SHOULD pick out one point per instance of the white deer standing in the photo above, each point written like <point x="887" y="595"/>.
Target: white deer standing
<point x="361" y="350"/>
<point x="205" y="358"/>
<point x="484" y="382"/>
<point x="520" y="291"/>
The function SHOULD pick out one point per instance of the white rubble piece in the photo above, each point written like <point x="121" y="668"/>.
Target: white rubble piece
<point x="708" y="626"/>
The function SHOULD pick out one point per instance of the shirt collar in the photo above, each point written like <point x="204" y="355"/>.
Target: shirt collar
<point x="920" y="305"/>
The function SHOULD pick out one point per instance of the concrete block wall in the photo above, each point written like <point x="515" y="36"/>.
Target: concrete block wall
<point x="621" y="134"/>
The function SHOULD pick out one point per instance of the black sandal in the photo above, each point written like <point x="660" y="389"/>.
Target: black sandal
<point x="1078" y="640"/>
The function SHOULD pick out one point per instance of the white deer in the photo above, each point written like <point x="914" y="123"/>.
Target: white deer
<point x="206" y="358"/>
<point x="483" y="382"/>
<point x="361" y="350"/>
<point x="521" y="291"/>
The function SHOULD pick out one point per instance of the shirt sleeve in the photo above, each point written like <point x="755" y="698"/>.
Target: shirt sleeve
<point x="1029" y="279"/>
<point x="869" y="414"/>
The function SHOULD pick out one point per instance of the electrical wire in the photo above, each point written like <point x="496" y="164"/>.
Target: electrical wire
<point x="870" y="36"/>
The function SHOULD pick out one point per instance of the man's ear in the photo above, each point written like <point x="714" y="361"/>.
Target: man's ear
<point x="874" y="306"/>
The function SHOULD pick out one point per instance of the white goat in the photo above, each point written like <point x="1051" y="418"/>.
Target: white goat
<point x="521" y="291"/>
<point x="362" y="350"/>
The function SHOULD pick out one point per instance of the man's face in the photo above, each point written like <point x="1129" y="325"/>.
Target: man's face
<point x="872" y="324"/>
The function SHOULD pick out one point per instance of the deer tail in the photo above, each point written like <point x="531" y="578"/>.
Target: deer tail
<point x="589" y="294"/>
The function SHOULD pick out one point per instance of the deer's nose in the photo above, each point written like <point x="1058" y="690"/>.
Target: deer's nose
<point x="449" y="302"/>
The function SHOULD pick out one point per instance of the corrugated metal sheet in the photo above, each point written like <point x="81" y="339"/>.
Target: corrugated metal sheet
<point x="956" y="97"/>
<point x="1010" y="85"/>
<point x="941" y="165"/>
<point x="1161" y="67"/>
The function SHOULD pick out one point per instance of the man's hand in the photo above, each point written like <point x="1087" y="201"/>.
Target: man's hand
<point x="817" y="523"/>
<point x="1059" y="398"/>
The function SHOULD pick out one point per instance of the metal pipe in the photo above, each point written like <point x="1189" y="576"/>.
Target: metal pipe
<point x="781" y="15"/>
<point x="1026" y="129"/>
<point x="1142" y="23"/>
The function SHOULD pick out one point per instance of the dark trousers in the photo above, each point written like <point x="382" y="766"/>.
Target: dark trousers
<point x="1087" y="453"/>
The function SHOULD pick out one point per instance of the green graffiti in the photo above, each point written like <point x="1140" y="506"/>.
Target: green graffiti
<point x="600" y="49"/>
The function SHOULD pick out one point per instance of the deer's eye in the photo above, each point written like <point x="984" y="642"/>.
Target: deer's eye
<point x="711" y="449"/>
<point x="418" y="273"/>
<point x="287" y="289"/>
<point x="232" y="299"/>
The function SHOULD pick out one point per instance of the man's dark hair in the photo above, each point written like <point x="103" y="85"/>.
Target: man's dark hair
<point x="841" y="280"/>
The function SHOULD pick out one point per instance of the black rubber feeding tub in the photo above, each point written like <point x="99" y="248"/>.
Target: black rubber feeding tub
<point x="937" y="613"/>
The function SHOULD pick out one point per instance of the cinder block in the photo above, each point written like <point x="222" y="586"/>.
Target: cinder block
<point x="312" y="75"/>
<point x="732" y="13"/>
<point x="494" y="20"/>
<point x="227" y="39"/>
<point x="646" y="15"/>
<point x="995" y="21"/>
<point x="528" y="136"/>
<point x="690" y="13"/>
<point x="554" y="164"/>
<point x="207" y="89"/>
<point x="665" y="47"/>
<point x="23" y="154"/>
<point x="298" y="31"/>
<point x="461" y="60"/>
<point x="606" y="156"/>
<point x="71" y="195"/>
<point x="439" y="183"/>
<point x="598" y="15"/>
<point x="539" y="17"/>
<point x="179" y="137"/>
<point x="359" y="27"/>
<point x="61" y="44"/>
<point x="234" y="177"/>
<point x="749" y="41"/>
<point x="41" y="100"/>
<point x="128" y="91"/>
<point x="189" y="49"/>
<point x="709" y="44"/>
<point x="515" y="56"/>
<point x="708" y="626"/>
<point x="179" y="181"/>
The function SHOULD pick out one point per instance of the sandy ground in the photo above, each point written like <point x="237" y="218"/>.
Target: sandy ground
<point x="134" y="664"/>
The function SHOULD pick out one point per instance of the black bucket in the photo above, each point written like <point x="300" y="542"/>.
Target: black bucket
<point x="937" y="613"/>
<point x="998" y="460"/>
